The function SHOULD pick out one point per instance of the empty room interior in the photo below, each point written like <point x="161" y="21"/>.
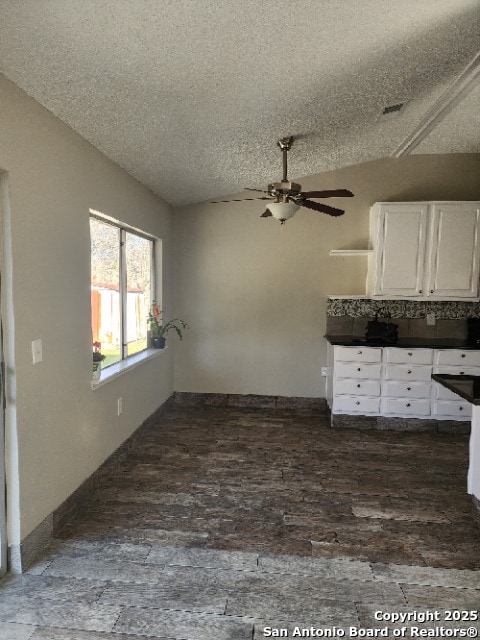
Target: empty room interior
<point x="240" y="319"/>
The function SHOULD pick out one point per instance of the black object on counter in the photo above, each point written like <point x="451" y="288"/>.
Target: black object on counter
<point x="382" y="332"/>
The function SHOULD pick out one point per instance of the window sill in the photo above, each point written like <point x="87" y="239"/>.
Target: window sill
<point x="119" y="368"/>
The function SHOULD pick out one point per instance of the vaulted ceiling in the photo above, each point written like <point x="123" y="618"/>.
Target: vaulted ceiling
<point x="191" y="96"/>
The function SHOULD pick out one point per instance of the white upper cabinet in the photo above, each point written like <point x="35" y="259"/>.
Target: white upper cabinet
<point x="425" y="250"/>
<point x="453" y="267"/>
<point x="399" y="232"/>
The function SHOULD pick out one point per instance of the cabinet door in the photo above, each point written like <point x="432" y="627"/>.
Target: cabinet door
<point x="453" y="266"/>
<point x="400" y="249"/>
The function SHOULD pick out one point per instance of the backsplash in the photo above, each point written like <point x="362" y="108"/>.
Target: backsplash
<point x="349" y="316"/>
<point x="366" y="307"/>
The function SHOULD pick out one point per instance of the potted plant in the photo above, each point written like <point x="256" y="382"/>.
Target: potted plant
<point x="159" y="328"/>
<point x="97" y="360"/>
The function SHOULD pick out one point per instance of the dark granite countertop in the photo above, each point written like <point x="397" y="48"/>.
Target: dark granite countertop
<point x="408" y="343"/>
<point x="467" y="387"/>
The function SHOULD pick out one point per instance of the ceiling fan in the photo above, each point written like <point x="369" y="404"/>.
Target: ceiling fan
<point x="287" y="197"/>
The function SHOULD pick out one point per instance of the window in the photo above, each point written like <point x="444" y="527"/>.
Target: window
<point x="122" y="287"/>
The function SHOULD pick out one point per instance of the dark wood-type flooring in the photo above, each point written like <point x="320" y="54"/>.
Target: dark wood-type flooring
<point x="285" y="482"/>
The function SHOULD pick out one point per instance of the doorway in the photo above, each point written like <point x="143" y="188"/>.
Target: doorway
<point x="3" y="481"/>
<point x="3" y="488"/>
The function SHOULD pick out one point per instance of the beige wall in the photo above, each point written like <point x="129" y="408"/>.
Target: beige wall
<point x="255" y="293"/>
<point x="59" y="430"/>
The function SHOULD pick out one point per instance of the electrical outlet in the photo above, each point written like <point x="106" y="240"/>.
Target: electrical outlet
<point x="430" y="319"/>
<point x="324" y="372"/>
<point x="119" y="406"/>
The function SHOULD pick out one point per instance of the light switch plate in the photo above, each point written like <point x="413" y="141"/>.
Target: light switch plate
<point x="37" y="355"/>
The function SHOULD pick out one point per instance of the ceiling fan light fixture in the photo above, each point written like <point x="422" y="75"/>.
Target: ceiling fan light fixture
<point x="283" y="210"/>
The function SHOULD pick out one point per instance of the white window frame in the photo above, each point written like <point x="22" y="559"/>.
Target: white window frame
<point x="135" y="358"/>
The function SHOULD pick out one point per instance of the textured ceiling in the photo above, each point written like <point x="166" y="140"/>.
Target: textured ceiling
<point x="190" y="96"/>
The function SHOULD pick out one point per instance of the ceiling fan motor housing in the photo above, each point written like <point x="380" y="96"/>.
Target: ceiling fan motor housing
<point x="284" y="188"/>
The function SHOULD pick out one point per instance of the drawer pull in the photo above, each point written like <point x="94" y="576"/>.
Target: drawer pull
<point x="359" y="369"/>
<point x="408" y="404"/>
<point x="460" y="408"/>
<point x="410" y="353"/>
<point x="409" y="371"/>
<point x="462" y="373"/>
<point x="463" y="355"/>
<point x="409" y="388"/>
<point x="359" y="385"/>
<point x="357" y="402"/>
<point x="432" y="291"/>
<point x="359" y="353"/>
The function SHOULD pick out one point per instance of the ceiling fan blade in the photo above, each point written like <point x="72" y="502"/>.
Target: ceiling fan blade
<point x="266" y="214"/>
<point x="258" y="190"/>
<point x="329" y="193"/>
<point x="319" y="206"/>
<point x="239" y="200"/>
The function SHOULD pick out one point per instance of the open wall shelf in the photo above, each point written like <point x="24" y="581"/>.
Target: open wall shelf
<point x="350" y="252"/>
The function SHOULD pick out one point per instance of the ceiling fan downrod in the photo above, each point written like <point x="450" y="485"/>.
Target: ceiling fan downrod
<point x="283" y="191"/>
<point x="285" y="145"/>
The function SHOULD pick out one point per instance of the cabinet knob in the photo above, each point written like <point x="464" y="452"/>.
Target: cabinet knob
<point x="420" y="291"/>
<point x="463" y="355"/>
<point x="359" y="369"/>
<point x="408" y="404"/>
<point x="358" y="385"/>
<point x="460" y="408"/>
<point x="409" y="388"/>
<point x="357" y="402"/>
<point x="359" y="353"/>
<point x="409" y="371"/>
<point x="462" y="373"/>
<point x="410" y="353"/>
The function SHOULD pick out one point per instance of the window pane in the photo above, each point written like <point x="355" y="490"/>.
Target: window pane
<point x="139" y="290"/>
<point x="105" y="289"/>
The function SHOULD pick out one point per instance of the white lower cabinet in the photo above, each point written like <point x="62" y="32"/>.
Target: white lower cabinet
<point x="396" y="381"/>
<point x="357" y="380"/>
<point x="459" y="363"/>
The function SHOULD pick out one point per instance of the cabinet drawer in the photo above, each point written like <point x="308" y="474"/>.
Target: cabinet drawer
<point x="407" y="372"/>
<point x="358" y="354"/>
<point x="357" y="370"/>
<point x="395" y="355"/>
<point x="344" y="386"/>
<point x="356" y="404"/>
<point x="396" y="389"/>
<point x="456" y="357"/>
<point x="406" y="407"/>
<point x="456" y="409"/>
<point x="457" y="371"/>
